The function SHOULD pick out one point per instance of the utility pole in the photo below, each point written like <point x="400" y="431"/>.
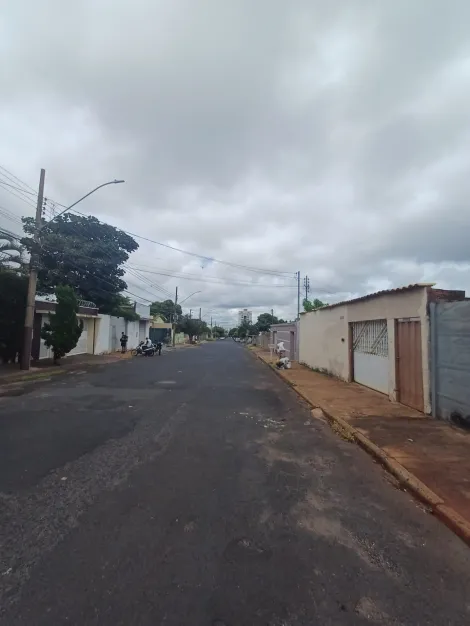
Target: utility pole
<point x="272" y="316"/>
<point x="174" y="318"/>
<point x="211" y="327"/>
<point x="190" y="314"/>
<point x="298" y="295"/>
<point x="306" y="286"/>
<point x="33" y="277"/>
<point x="200" y="311"/>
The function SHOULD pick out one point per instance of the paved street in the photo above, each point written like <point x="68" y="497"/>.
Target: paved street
<point x="195" y="489"/>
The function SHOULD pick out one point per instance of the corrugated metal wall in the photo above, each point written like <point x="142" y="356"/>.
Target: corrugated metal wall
<point x="450" y="359"/>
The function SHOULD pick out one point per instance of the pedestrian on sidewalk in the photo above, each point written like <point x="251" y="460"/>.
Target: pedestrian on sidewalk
<point x="124" y="340"/>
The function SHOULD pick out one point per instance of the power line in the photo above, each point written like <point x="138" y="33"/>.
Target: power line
<point x="129" y="269"/>
<point x="195" y="254"/>
<point x="83" y="269"/>
<point x="214" y="281"/>
<point x="10" y="176"/>
<point x="32" y="193"/>
<point x="159" y="243"/>
<point x="17" y="195"/>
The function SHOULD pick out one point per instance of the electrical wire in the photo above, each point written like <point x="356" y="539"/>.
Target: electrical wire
<point x="194" y="254"/>
<point x="83" y="269"/>
<point x="215" y="281"/>
<point x="10" y="176"/>
<point x="17" y="195"/>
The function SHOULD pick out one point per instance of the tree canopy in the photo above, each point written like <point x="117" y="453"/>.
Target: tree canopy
<point x="85" y="254"/>
<point x="265" y="320"/>
<point x="191" y="326"/>
<point x="218" y="331"/>
<point x="165" y="310"/>
<point x="312" y="305"/>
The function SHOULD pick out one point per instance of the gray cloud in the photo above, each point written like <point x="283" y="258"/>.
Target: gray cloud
<point x="330" y="138"/>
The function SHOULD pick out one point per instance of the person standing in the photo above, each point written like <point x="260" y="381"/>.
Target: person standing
<point x="124" y="339"/>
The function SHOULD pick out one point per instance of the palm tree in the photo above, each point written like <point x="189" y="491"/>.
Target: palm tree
<point x="11" y="251"/>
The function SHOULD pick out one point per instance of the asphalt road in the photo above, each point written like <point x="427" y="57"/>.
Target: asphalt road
<point x="195" y="489"/>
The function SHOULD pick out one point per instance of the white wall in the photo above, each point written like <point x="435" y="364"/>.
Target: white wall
<point x="46" y="353"/>
<point x="102" y="329"/>
<point x="323" y="340"/>
<point x="108" y="326"/>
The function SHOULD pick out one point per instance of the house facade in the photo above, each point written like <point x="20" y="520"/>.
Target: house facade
<point x="380" y="340"/>
<point x="101" y="333"/>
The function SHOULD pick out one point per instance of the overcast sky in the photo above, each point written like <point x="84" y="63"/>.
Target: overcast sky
<point x="327" y="137"/>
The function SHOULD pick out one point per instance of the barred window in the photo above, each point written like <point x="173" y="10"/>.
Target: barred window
<point x="371" y="337"/>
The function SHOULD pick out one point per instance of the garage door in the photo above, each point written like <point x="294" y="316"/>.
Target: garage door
<point x="370" y="354"/>
<point x="142" y="331"/>
<point x="81" y="346"/>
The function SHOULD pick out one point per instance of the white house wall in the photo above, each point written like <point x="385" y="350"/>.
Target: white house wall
<point x="323" y="341"/>
<point x="46" y="353"/>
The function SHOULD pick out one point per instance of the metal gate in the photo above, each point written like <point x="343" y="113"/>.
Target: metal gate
<point x="409" y="368"/>
<point x="370" y="354"/>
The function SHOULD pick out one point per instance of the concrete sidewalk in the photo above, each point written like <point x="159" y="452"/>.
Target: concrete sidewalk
<point x="431" y="451"/>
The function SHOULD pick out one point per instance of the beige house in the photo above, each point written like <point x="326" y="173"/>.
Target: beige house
<point x="380" y="340"/>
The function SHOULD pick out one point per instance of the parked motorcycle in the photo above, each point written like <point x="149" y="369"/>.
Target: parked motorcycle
<point x="141" y="350"/>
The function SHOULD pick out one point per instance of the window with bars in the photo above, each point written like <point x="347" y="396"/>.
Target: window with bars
<point x="371" y="337"/>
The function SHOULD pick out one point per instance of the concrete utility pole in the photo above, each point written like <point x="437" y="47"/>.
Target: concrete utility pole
<point x="33" y="278"/>
<point x="298" y="295"/>
<point x="190" y="314"/>
<point x="174" y="317"/>
<point x="200" y="312"/>
<point x="33" y="274"/>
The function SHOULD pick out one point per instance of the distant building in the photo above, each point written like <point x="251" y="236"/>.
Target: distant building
<point x="245" y="316"/>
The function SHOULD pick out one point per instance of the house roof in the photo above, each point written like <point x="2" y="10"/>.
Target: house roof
<point x="384" y="292"/>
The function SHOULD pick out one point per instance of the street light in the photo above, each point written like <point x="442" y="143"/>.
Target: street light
<point x="111" y="182"/>
<point x="33" y="273"/>
<point x="193" y="294"/>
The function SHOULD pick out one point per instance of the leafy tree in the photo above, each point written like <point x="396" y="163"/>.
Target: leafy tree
<point x="125" y="308"/>
<point x="218" y="331"/>
<point x="191" y="326"/>
<point x="233" y="332"/>
<point x="246" y="329"/>
<point x="84" y="253"/>
<point x="13" y="289"/>
<point x="63" y="331"/>
<point x="165" y="310"/>
<point x="312" y="306"/>
<point x="265" y="320"/>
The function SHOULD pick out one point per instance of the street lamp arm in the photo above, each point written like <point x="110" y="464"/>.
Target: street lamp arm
<point x="193" y="294"/>
<point x="111" y="182"/>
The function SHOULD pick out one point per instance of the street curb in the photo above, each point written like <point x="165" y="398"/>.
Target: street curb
<point x="446" y="514"/>
<point x="46" y="374"/>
